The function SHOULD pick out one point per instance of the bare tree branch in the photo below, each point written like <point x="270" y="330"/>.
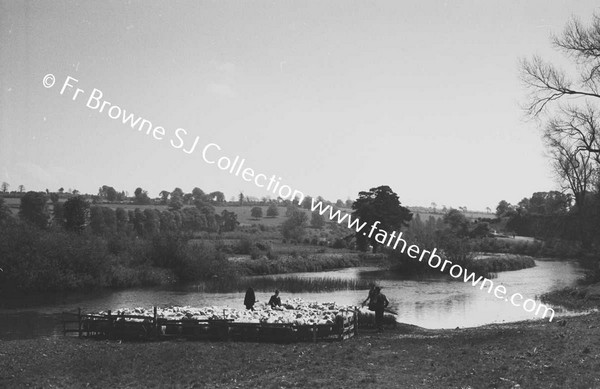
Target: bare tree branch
<point x="583" y="44"/>
<point x="547" y="84"/>
<point x="579" y="126"/>
<point x="573" y="166"/>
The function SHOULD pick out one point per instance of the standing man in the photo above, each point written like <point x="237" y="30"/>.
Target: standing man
<point x="381" y="303"/>
<point x="370" y="298"/>
<point x="250" y="299"/>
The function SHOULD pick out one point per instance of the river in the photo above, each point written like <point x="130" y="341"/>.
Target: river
<point x="433" y="302"/>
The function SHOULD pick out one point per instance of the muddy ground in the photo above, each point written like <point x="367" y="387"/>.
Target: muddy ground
<point x="562" y="354"/>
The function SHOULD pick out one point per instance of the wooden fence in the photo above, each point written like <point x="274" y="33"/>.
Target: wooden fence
<point x="139" y="327"/>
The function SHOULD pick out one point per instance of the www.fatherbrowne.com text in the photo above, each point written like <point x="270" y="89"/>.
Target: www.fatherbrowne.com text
<point x="435" y="261"/>
<point x="211" y="155"/>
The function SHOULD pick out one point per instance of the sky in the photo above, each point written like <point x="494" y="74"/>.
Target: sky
<point x="334" y="97"/>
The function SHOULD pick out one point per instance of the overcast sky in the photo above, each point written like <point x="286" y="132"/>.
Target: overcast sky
<point x="335" y="97"/>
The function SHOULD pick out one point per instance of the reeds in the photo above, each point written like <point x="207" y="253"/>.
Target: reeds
<point x="290" y="284"/>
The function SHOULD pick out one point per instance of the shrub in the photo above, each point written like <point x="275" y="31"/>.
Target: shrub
<point x="256" y="212"/>
<point x="40" y="261"/>
<point x="201" y="261"/>
<point x="317" y="220"/>
<point x="34" y="209"/>
<point x="339" y="244"/>
<point x="294" y="226"/>
<point x="272" y="211"/>
<point x="263" y="246"/>
<point x="167" y="250"/>
<point x="244" y="245"/>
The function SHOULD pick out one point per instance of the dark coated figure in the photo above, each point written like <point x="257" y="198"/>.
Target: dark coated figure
<point x="381" y="303"/>
<point x="250" y="299"/>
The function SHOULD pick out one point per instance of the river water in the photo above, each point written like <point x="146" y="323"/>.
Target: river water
<point x="433" y="302"/>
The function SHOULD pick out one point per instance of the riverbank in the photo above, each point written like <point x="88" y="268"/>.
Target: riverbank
<point x="483" y="264"/>
<point x="577" y="298"/>
<point x="532" y="354"/>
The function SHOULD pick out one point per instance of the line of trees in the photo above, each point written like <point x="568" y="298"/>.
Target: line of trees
<point x="77" y="245"/>
<point x="76" y="214"/>
<point x="5" y="185"/>
<point x="552" y="216"/>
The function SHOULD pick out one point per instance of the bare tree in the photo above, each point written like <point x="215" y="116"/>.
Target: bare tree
<point x="5" y="186"/>
<point x="574" y="168"/>
<point x="569" y="107"/>
<point x="577" y="171"/>
<point x="569" y="104"/>
<point x="578" y="126"/>
<point x="548" y="83"/>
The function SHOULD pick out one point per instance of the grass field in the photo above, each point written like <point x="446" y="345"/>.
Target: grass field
<point x="13" y="204"/>
<point x="470" y="215"/>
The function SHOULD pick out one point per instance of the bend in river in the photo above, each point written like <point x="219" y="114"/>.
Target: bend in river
<point x="428" y="302"/>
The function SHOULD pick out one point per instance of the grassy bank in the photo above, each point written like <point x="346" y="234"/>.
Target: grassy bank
<point x="297" y="263"/>
<point x="576" y="298"/>
<point x="288" y="284"/>
<point x="494" y="263"/>
<point x="562" y="354"/>
<point x="483" y="264"/>
<point x="553" y="248"/>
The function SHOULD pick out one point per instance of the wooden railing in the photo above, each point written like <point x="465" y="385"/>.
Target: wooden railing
<point x="145" y="327"/>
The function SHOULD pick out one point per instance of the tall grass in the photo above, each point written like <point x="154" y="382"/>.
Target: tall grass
<point x="290" y="284"/>
<point x="555" y="248"/>
<point x="503" y="263"/>
<point x="313" y="263"/>
<point x="486" y="267"/>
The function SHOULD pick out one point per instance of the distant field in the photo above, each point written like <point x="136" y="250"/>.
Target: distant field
<point x="517" y="239"/>
<point x="245" y="218"/>
<point x="243" y="212"/>
<point x="13" y="204"/>
<point x="482" y="215"/>
<point x="468" y="214"/>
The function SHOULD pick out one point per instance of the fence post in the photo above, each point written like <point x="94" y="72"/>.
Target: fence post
<point x="110" y="326"/>
<point x="355" y="321"/>
<point x="79" y="321"/>
<point x="156" y="329"/>
<point x="314" y="332"/>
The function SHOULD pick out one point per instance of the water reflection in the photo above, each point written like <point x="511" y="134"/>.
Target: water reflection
<point x="432" y="302"/>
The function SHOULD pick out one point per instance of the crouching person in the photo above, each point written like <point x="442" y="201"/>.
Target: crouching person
<point x="275" y="300"/>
